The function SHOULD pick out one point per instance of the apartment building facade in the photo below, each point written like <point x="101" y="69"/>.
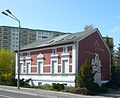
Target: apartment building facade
<point x="9" y="36"/>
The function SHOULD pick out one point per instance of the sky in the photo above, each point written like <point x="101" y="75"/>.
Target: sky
<point x="65" y="15"/>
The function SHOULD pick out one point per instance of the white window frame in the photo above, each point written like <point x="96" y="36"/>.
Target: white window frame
<point x="54" y="68"/>
<point x="65" y="49"/>
<point x="54" y="58"/>
<point x="40" y="58"/>
<point x="39" y="71"/>
<point x="28" y="60"/>
<point x="21" y="55"/>
<point x="22" y="67"/>
<point x="54" y="50"/>
<point x="28" y="67"/>
<point x="28" y="53"/>
<point x="65" y="58"/>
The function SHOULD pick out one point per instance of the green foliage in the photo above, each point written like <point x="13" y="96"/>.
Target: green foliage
<point x="110" y="45"/>
<point x="46" y="87"/>
<point x="115" y="77"/>
<point x="85" y="76"/>
<point x="7" y="67"/>
<point x="57" y="86"/>
<point x="83" y="91"/>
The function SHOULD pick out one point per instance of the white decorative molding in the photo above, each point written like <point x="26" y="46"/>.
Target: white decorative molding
<point x="54" y="55"/>
<point x="21" y="58"/>
<point x="28" y="58"/>
<point x="96" y="65"/>
<point x="40" y="56"/>
<point x="65" y="54"/>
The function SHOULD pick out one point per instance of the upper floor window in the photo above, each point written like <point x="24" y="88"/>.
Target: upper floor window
<point x="65" y="49"/>
<point x="54" y="51"/>
<point x="21" y="55"/>
<point x="28" y="54"/>
<point x="13" y="33"/>
<point x="44" y="37"/>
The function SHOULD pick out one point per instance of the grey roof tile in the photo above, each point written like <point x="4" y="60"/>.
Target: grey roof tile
<point x="66" y="38"/>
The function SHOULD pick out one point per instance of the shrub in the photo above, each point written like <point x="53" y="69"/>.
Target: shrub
<point x="57" y="86"/>
<point x="83" y="91"/>
<point x="85" y="76"/>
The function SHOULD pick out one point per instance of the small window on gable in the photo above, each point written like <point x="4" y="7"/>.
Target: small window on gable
<point x="54" y="51"/>
<point x="65" y="49"/>
<point x="28" y="54"/>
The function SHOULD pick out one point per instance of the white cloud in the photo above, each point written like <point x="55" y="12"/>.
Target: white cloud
<point x="115" y="30"/>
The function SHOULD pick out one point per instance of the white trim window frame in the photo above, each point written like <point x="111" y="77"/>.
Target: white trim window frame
<point x="40" y="60"/>
<point x="28" y="65"/>
<point x="22" y="67"/>
<point x="54" y="64"/>
<point x="21" y="55"/>
<point x="65" y="49"/>
<point x="65" y="64"/>
<point x="22" y="64"/>
<point x="39" y="66"/>
<point x="28" y="53"/>
<point x="54" y="51"/>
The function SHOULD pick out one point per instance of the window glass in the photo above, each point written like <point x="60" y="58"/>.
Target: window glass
<point x="54" y="51"/>
<point x="65" y="49"/>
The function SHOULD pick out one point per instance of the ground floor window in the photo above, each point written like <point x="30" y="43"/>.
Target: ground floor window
<point x="54" y="67"/>
<point x="65" y="66"/>
<point x="28" y="67"/>
<point x="39" y="67"/>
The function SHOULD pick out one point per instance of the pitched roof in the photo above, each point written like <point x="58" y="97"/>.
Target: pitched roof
<point x="66" y="38"/>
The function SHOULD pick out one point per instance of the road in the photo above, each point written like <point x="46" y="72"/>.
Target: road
<point x="13" y="92"/>
<point x="17" y="94"/>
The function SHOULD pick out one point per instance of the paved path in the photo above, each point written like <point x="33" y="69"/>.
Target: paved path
<point x="114" y="94"/>
<point x="53" y="94"/>
<point x="8" y="94"/>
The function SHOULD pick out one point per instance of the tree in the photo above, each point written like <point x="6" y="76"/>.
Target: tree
<point x="85" y="76"/>
<point x="7" y="60"/>
<point x="118" y="58"/>
<point x="110" y="45"/>
<point x="115" y="77"/>
<point x="88" y="27"/>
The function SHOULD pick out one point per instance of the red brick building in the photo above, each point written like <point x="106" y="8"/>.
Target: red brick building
<point x="58" y="60"/>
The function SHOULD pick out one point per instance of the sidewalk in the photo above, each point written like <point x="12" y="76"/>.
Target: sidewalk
<point x="49" y="94"/>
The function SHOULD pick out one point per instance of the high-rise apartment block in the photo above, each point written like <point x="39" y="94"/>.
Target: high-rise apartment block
<point x="9" y="36"/>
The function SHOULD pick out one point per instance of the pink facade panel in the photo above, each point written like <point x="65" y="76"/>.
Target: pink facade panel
<point x="70" y="51"/>
<point x="47" y="56"/>
<point x="70" y="68"/>
<point x="59" y="51"/>
<point x="33" y="69"/>
<point x="33" y="55"/>
<point x="59" y="69"/>
<point x="46" y="69"/>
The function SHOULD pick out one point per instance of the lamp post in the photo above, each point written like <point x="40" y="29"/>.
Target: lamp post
<point x="9" y="14"/>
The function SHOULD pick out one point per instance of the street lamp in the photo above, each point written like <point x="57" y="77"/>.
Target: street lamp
<point x="9" y="14"/>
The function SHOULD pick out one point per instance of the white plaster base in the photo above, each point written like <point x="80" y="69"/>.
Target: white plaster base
<point x="67" y="79"/>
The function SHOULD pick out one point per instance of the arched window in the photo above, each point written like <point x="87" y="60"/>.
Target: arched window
<point x="40" y="60"/>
